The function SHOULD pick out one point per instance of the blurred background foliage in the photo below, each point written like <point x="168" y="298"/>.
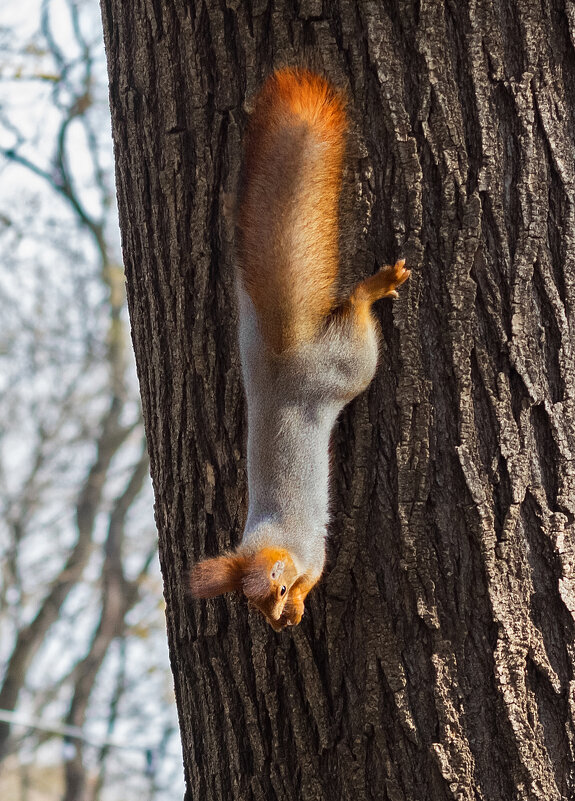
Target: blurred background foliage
<point x="86" y="706"/>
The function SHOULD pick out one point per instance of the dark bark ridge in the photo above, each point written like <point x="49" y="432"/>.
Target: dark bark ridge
<point x="436" y="660"/>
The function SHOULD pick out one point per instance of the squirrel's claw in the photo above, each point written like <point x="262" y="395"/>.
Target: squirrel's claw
<point x="397" y="273"/>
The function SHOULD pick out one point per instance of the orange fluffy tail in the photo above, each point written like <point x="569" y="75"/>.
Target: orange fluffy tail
<point x="287" y="226"/>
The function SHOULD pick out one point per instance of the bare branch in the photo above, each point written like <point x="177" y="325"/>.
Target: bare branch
<point x="31" y="637"/>
<point x="118" y="596"/>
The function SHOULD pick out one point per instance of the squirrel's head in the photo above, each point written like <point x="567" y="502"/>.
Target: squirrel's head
<point x="264" y="577"/>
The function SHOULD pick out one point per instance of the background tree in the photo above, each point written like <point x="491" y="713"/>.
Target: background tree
<point x="436" y="660"/>
<point x="80" y="609"/>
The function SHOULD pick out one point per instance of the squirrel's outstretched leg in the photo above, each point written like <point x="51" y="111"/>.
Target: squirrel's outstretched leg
<point x="381" y="285"/>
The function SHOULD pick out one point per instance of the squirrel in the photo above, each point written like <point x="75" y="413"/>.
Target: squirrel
<point x="305" y="352"/>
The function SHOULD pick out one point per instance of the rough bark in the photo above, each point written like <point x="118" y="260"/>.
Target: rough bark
<point x="436" y="661"/>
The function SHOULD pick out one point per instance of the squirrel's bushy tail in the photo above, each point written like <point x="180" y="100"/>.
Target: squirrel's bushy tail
<point x="287" y="221"/>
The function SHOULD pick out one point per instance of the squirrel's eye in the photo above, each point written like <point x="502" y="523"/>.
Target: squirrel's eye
<point x="283" y="590"/>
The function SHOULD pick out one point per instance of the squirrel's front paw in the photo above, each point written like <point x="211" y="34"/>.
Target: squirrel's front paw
<point x="293" y="612"/>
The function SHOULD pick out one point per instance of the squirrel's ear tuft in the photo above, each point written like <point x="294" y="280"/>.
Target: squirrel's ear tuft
<point x="216" y="576"/>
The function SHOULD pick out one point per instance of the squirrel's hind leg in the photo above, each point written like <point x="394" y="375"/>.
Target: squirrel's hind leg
<point x="357" y="308"/>
<point x="381" y="285"/>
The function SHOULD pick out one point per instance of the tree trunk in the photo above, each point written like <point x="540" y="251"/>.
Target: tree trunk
<point x="436" y="659"/>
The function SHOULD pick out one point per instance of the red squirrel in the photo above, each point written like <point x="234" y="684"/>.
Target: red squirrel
<point x="305" y="353"/>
